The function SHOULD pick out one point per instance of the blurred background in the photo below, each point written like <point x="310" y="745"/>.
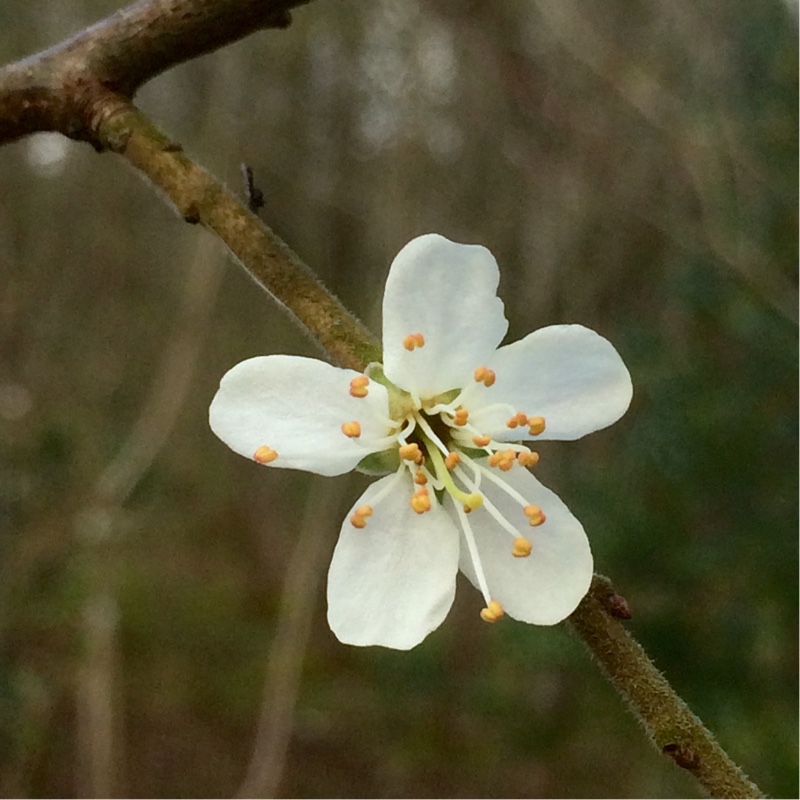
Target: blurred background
<point x="632" y="166"/>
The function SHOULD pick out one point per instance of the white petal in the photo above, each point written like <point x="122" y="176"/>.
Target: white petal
<point x="392" y="582"/>
<point x="446" y="292"/>
<point x="545" y="587"/>
<point x="296" y="406"/>
<point x="568" y="374"/>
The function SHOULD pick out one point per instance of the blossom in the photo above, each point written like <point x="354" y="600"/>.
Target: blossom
<point x="448" y="419"/>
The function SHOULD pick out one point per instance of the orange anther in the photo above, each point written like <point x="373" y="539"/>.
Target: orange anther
<point x="413" y="341"/>
<point x="534" y="514"/>
<point x="359" y="518"/>
<point x="358" y="386"/>
<point x="410" y="452"/>
<point x="535" y="425"/>
<point x="492" y="612"/>
<point x="522" y="547"/>
<point x="352" y="429"/>
<point x="481" y="441"/>
<point x="420" y="478"/>
<point x="512" y="423"/>
<point x="451" y="460"/>
<point x="485" y="376"/>
<point x="264" y="455"/>
<point x="461" y="416"/>
<point x="507" y="459"/>
<point x="420" y="501"/>
<point x="528" y="459"/>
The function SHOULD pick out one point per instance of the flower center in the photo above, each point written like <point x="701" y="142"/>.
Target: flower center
<point x="434" y="442"/>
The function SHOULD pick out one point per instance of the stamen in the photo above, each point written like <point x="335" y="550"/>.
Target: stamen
<point x="264" y="455"/>
<point x="485" y="376"/>
<point x="420" y="478"/>
<point x="452" y="459"/>
<point x="494" y="512"/>
<point x="473" y="554"/>
<point x="481" y="441"/>
<point x="492" y="612"/>
<point x="503" y="459"/>
<point x="413" y="341"/>
<point x="517" y="420"/>
<point x="535" y="425"/>
<point x="410" y="452"/>
<point x="460" y="416"/>
<point x="528" y="459"/>
<point x="352" y="429"/>
<point x="359" y="518"/>
<point x="421" y="501"/>
<point x="534" y="514"/>
<point x="358" y="386"/>
<point x="522" y="547"/>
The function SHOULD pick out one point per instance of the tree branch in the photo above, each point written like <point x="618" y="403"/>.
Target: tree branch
<point x="71" y="87"/>
<point x="672" y="728"/>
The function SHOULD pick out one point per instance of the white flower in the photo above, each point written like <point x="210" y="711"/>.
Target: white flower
<point x="445" y="416"/>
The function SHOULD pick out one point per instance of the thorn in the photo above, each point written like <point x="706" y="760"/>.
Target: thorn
<point x="253" y="195"/>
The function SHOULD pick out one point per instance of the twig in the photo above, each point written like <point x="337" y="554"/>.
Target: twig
<point x="285" y="663"/>
<point x="671" y="726"/>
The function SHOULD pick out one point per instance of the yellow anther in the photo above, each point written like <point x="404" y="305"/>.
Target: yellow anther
<point x="535" y="425"/>
<point x="492" y="612"/>
<point x="359" y="518"/>
<point x="461" y="416"/>
<point x="528" y="459"/>
<point x="534" y="514"/>
<point x="421" y="501"/>
<point x="522" y="547"/>
<point x="481" y="441"/>
<point x="358" y="386"/>
<point x="485" y="376"/>
<point x="413" y="341"/>
<point x="451" y="460"/>
<point x="352" y="429"/>
<point x="420" y="478"/>
<point x="410" y="452"/>
<point x="264" y="455"/>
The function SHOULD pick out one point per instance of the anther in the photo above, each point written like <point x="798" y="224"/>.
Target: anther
<point x="534" y="514"/>
<point x="420" y="478"/>
<point x="492" y="612"/>
<point x="351" y="429"/>
<point x="535" y="425"/>
<point x="481" y="441"/>
<point x="461" y="416"/>
<point x="421" y="501"/>
<point x="359" y="518"/>
<point x="410" y="452"/>
<point x="358" y="386"/>
<point x="517" y="420"/>
<point x="528" y="459"/>
<point x="264" y="455"/>
<point x="413" y="341"/>
<point x="522" y="547"/>
<point x="485" y="376"/>
<point x="452" y="459"/>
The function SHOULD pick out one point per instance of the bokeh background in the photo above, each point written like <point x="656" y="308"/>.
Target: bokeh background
<point x="632" y="166"/>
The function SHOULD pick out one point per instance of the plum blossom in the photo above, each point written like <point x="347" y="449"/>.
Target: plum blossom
<point x="448" y="419"/>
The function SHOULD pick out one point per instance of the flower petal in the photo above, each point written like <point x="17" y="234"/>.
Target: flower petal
<point x="547" y="586"/>
<point x="392" y="582"/>
<point x="296" y="406"/>
<point x="568" y="374"/>
<point x="446" y="292"/>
